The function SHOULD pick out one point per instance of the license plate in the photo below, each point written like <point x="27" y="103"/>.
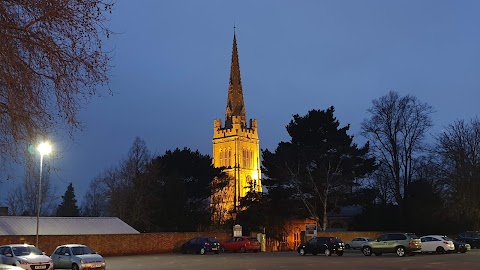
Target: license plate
<point x="340" y="248"/>
<point x="40" y="267"/>
<point x="97" y="265"/>
<point x="214" y="248"/>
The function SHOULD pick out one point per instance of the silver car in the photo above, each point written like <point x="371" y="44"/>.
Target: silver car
<point x="25" y="256"/>
<point x="76" y="257"/>
<point x="357" y="243"/>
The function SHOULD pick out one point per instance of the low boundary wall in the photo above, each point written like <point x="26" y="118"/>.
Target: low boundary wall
<point x="146" y="243"/>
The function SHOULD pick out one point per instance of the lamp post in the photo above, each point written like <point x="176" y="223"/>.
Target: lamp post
<point x="44" y="149"/>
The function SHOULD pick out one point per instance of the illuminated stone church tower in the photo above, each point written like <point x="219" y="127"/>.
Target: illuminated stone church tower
<point x="236" y="146"/>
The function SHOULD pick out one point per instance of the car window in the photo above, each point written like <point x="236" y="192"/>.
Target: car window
<point x="383" y="237"/>
<point x="313" y="241"/>
<point x="212" y="240"/>
<point x="81" y="250"/>
<point x="446" y="238"/>
<point x="253" y="239"/>
<point x="397" y="236"/>
<point x="26" y="250"/>
<point x="337" y="240"/>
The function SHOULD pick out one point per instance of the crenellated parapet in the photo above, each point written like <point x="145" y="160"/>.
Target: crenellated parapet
<point x="237" y="127"/>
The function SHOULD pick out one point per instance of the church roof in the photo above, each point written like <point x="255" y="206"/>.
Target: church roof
<point x="20" y="225"/>
<point x="235" y="103"/>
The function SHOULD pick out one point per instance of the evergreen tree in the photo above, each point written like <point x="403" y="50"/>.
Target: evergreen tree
<point x="68" y="207"/>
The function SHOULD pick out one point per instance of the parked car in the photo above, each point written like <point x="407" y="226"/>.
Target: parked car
<point x="25" y="256"/>
<point x="470" y="237"/>
<point x="400" y="243"/>
<point x="325" y="245"/>
<point x="77" y="257"/>
<point x="357" y="243"/>
<point x="241" y="244"/>
<point x="460" y="246"/>
<point x="9" y="267"/>
<point x="437" y="243"/>
<point x="201" y="245"/>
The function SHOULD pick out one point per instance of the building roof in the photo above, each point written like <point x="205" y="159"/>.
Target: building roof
<point x="19" y="225"/>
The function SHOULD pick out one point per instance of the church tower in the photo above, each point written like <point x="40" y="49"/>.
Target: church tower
<point x="236" y="146"/>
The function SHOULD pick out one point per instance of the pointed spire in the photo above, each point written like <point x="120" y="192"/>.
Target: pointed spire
<point x="235" y="104"/>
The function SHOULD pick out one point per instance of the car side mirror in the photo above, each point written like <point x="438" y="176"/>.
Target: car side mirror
<point x="43" y="252"/>
<point x="67" y="254"/>
<point x="377" y="240"/>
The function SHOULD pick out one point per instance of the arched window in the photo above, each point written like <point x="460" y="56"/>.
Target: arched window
<point x="244" y="158"/>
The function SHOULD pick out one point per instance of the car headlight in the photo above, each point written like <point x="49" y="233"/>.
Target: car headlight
<point x="83" y="261"/>
<point x="22" y="261"/>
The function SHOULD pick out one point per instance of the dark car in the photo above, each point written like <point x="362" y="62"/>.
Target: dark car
<point x="241" y="244"/>
<point x="459" y="246"/>
<point x="400" y="243"/>
<point x="470" y="237"/>
<point x="325" y="245"/>
<point x="201" y="245"/>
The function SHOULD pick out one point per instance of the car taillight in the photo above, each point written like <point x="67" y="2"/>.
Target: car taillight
<point x="446" y="243"/>
<point x="207" y="244"/>
<point x="411" y="243"/>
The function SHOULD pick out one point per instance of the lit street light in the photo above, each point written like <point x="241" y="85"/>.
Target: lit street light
<point x="44" y="149"/>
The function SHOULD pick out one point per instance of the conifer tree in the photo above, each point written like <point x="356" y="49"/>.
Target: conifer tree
<point x="68" y="207"/>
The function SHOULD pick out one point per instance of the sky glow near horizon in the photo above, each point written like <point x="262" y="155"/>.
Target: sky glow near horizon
<point x="171" y="63"/>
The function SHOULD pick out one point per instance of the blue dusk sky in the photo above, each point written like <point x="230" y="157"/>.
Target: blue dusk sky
<point x="171" y="64"/>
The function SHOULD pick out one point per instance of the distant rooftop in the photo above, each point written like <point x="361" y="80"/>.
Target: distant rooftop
<point x="20" y="225"/>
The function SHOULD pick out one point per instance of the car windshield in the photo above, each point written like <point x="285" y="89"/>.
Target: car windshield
<point x="82" y="250"/>
<point x="26" y="250"/>
<point x="337" y="240"/>
<point x="212" y="240"/>
<point x="446" y="238"/>
<point x="253" y="239"/>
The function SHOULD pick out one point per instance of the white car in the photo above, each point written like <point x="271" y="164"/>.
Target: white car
<point x="357" y="242"/>
<point x="437" y="243"/>
<point x="25" y="256"/>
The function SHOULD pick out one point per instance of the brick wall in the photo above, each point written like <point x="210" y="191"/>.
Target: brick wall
<point x="117" y="244"/>
<point x="148" y="243"/>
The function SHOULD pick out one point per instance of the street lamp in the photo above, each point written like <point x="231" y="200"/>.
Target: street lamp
<point x="44" y="149"/>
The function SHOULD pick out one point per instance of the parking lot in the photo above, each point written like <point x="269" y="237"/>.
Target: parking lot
<point x="291" y="260"/>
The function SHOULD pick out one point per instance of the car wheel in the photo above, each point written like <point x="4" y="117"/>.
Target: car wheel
<point x="243" y="250"/>
<point x="400" y="251"/>
<point x="347" y="246"/>
<point x="463" y="250"/>
<point x="301" y="252"/>
<point x="327" y="252"/>
<point x="367" y="251"/>
<point x="202" y="251"/>
<point x="440" y="250"/>
<point x="340" y="253"/>
<point x="75" y="267"/>
<point x="222" y="249"/>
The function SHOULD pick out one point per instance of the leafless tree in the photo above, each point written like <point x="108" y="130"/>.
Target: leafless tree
<point x="52" y="61"/>
<point x="94" y="202"/>
<point x="459" y="148"/>
<point x="396" y="127"/>
<point x="23" y="199"/>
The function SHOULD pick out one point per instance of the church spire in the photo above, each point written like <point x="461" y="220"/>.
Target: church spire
<point x="235" y="104"/>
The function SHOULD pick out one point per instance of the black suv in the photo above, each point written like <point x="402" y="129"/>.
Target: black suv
<point x="400" y="243"/>
<point x="325" y="245"/>
<point x="470" y="237"/>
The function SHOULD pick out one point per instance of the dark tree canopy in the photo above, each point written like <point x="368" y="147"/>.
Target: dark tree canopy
<point x="182" y="182"/>
<point x="51" y="61"/>
<point x="319" y="165"/>
<point x="68" y="207"/>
